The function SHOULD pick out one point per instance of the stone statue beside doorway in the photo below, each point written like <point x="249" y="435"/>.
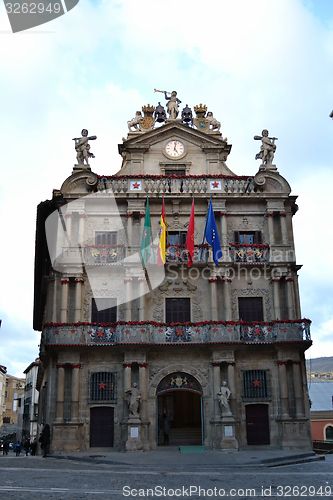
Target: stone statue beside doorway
<point x="133" y="400"/>
<point x="223" y="397"/>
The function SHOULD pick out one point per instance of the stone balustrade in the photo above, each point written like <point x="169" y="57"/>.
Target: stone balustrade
<point x="158" y="333"/>
<point x="175" y="184"/>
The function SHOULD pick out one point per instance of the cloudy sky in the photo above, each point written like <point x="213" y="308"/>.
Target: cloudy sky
<point x="259" y="64"/>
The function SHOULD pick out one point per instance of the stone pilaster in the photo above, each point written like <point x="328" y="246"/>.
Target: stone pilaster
<point x="276" y="295"/>
<point x="269" y="216"/>
<point x="298" y="387"/>
<point x="216" y="386"/>
<point x="128" y="294"/>
<point x="60" y="393"/>
<point x="127" y="376"/>
<point x="75" y="392"/>
<point x="227" y="299"/>
<point x="64" y="300"/>
<point x="213" y="297"/>
<point x="282" y="367"/>
<point x="291" y="296"/>
<point x="78" y="299"/>
<point x="54" y="300"/>
<point x="142" y="283"/>
<point x="284" y="230"/>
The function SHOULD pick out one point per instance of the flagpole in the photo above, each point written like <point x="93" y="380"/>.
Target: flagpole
<point x="203" y="239"/>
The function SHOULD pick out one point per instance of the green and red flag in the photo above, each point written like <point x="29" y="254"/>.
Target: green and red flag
<point x="146" y="240"/>
<point x="190" y="237"/>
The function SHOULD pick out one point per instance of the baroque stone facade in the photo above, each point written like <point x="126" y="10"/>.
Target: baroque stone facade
<point x="135" y="355"/>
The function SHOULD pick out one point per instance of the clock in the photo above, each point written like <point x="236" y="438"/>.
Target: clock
<point x="174" y="149"/>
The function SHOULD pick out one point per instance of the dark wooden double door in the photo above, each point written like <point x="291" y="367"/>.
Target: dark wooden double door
<point x="101" y="426"/>
<point x="257" y="424"/>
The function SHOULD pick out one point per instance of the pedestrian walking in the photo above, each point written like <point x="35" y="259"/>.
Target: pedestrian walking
<point x="33" y="447"/>
<point x="17" y="448"/>
<point x="5" y="448"/>
<point x="26" y="446"/>
<point x="45" y="439"/>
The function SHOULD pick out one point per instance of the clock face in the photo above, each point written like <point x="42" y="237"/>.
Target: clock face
<point x="175" y="149"/>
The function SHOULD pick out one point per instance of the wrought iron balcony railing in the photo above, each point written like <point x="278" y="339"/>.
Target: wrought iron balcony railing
<point x="103" y="254"/>
<point x="179" y="254"/>
<point x="249" y="254"/>
<point x="147" y="332"/>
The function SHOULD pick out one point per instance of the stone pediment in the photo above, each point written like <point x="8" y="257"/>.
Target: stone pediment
<point x="270" y="181"/>
<point x="207" y="141"/>
<point x="81" y="182"/>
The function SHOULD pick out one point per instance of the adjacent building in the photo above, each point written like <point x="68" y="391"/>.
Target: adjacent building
<point x="30" y="408"/>
<point x="13" y="415"/>
<point x="137" y="353"/>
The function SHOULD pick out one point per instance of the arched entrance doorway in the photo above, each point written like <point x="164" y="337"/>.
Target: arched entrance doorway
<point x="179" y="410"/>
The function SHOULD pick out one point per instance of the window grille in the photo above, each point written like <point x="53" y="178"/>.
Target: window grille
<point x="177" y="310"/>
<point x="103" y="386"/>
<point x="108" y="238"/>
<point x="255" y="384"/>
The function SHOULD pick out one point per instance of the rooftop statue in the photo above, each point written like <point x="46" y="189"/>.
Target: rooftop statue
<point x="160" y="114"/>
<point x="213" y="123"/>
<point x="267" y="148"/>
<point x="135" y="122"/>
<point x="187" y="116"/>
<point x="82" y="147"/>
<point x="172" y="104"/>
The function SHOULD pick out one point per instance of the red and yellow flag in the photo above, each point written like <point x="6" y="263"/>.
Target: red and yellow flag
<point x="161" y="255"/>
<point x="190" y="237"/>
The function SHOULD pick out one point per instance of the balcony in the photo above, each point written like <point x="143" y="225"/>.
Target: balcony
<point x="249" y="253"/>
<point x="103" y="254"/>
<point x="146" y="332"/>
<point x="177" y="184"/>
<point x="179" y="254"/>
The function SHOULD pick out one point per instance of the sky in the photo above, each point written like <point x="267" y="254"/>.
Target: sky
<point x="255" y="64"/>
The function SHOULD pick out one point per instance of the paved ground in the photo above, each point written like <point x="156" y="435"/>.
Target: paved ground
<point x="165" y="473"/>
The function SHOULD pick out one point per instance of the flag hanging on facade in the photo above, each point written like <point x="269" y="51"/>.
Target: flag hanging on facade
<point x="211" y="235"/>
<point x="146" y="240"/>
<point x="161" y="254"/>
<point x="190" y="237"/>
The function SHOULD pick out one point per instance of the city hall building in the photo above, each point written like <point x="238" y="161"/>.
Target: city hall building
<point x="136" y="353"/>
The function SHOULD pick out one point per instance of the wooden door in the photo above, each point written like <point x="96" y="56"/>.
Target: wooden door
<point x="101" y="426"/>
<point x="257" y="424"/>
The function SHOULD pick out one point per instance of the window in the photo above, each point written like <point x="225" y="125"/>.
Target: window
<point x="250" y="309"/>
<point x="248" y="237"/>
<point x="176" y="238"/>
<point x="177" y="310"/>
<point x="329" y="433"/>
<point x="175" y="171"/>
<point x="103" y="386"/>
<point x="255" y="384"/>
<point x="104" y="310"/>
<point x="108" y="238"/>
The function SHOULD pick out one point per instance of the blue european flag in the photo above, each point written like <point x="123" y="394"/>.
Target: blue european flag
<point x="211" y="235"/>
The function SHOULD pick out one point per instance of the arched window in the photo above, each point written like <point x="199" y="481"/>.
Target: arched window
<point x="329" y="433"/>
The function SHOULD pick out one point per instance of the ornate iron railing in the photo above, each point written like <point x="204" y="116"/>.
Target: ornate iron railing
<point x="210" y="332"/>
<point x="249" y="254"/>
<point x="103" y="254"/>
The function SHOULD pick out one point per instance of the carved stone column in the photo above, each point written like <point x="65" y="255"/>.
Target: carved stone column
<point x="75" y="392"/>
<point x="127" y="376"/>
<point x="224" y="237"/>
<point x="270" y="228"/>
<point x="78" y="299"/>
<point x="282" y="367"/>
<point x="143" y="386"/>
<point x="128" y="294"/>
<point x="60" y="393"/>
<point x="81" y="229"/>
<point x="284" y="230"/>
<point x="54" y="300"/>
<point x="290" y="295"/>
<point x="213" y="297"/>
<point x="68" y="225"/>
<point x="298" y="387"/>
<point x="276" y="295"/>
<point x="216" y="386"/>
<point x="142" y="283"/>
<point x="130" y="241"/>
<point x="64" y="300"/>
<point x="227" y="299"/>
<point x="231" y="379"/>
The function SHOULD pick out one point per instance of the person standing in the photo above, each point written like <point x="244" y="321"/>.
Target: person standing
<point x="45" y="439"/>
